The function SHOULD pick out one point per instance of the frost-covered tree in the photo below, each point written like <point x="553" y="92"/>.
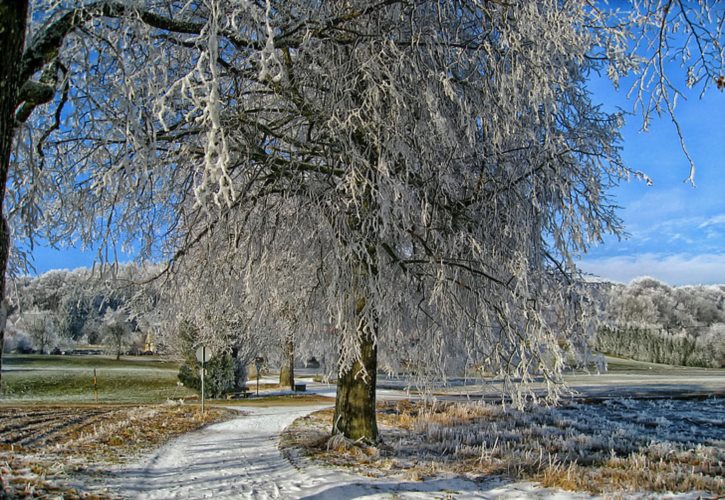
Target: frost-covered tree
<point x="41" y="328"/>
<point x="205" y="302"/>
<point x="647" y="301"/>
<point x="116" y="329"/>
<point x="429" y="167"/>
<point x="651" y="321"/>
<point x="638" y="303"/>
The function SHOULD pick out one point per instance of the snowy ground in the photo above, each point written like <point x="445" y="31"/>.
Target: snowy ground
<point x="240" y="459"/>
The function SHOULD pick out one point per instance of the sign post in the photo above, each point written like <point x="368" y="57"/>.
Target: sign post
<point x="258" y="362"/>
<point x="95" y="386"/>
<point x="203" y="355"/>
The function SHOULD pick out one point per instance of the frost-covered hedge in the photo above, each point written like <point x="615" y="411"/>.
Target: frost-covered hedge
<point x="219" y="377"/>
<point x="660" y="346"/>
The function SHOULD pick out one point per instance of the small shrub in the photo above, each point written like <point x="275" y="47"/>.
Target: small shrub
<point x="219" y="377"/>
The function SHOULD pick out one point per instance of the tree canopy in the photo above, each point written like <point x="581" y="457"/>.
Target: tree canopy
<point x="419" y="175"/>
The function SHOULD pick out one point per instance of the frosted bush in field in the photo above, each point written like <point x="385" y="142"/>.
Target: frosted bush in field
<point x="40" y="327"/>
<point x="17" y="340"/>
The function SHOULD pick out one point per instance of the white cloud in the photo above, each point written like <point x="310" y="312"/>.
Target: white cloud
<point x="718" y="219"/>
<point x="677" y="269"/>
<point x="680" y="238"/>
<point x="687" y="235"/>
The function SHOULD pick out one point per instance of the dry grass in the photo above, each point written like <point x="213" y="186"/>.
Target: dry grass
<point x="567" y="448"/>
<point x="42" y="448"/>
<point x="310" y="435"/>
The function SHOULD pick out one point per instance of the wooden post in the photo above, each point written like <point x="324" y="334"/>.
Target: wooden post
<point x="95" y="385"/>
<point x="258" y="361"/>
<point x="203" y="357"/>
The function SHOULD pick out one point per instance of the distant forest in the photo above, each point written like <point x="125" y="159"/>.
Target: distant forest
<point x="61" y="310"/>
<point x="646" y="320"/>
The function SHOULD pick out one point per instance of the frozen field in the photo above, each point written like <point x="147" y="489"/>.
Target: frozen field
<point x="573" y="451"/>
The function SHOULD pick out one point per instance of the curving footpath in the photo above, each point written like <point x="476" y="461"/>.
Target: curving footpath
<point x="240" y="459"/>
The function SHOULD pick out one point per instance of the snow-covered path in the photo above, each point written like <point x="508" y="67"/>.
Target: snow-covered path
<point x="240" y="459"/>
<point x="233" y="459"/>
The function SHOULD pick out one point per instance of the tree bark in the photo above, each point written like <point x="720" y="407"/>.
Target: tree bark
<point x="13" y="21"/>
<point x="287" y="371"/>
<point x="355" y="401"/>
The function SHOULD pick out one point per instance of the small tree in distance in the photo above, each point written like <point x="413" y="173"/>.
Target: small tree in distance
<point x="219" y="371"/>
<point x="116" y="329"/>
<point x="41" y="327"/>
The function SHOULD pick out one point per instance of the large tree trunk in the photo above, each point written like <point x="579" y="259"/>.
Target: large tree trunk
<point x="287" y="371"/>
<point x="13" y="19"/>
<point x="240" y="370"/>
<point x="355" y="401"/>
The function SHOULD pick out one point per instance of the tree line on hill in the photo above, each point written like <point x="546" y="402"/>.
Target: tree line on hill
<point x="61" y="310"/>
<point x="648" y="320"/>
<point x="124" y="308"/>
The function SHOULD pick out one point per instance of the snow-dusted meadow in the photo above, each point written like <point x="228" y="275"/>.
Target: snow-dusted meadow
<point x="618" y="446"/>
<point x="479" y="451"/>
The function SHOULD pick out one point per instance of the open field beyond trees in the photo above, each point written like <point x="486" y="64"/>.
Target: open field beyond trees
<point x="70" y="379"/>
<point x="53" y="379"/>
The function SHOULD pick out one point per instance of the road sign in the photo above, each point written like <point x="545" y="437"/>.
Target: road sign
<point x="258" y="362"/>
<point x="203" y="354"/>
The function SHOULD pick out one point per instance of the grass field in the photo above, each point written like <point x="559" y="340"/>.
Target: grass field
<point x="46" y="379"/>
<point x="622" y="365"/>
<point x="65" y="379"/>
<point x="619" y="448"/>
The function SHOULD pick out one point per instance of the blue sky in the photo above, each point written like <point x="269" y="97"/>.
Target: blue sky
<point x="676" y="231"/>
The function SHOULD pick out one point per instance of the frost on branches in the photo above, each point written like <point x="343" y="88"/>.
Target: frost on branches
<point x="411" y="178"/>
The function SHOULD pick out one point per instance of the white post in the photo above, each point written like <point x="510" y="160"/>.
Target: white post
<point x="203" y="358"/>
